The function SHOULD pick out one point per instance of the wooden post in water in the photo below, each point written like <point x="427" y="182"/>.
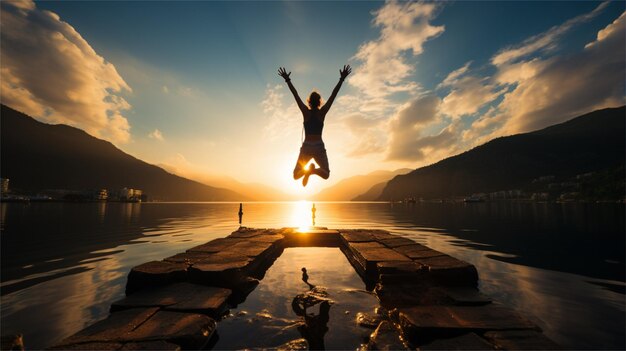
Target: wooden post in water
<point x="240" y="213"/>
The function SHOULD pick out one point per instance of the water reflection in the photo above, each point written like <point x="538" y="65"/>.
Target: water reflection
<point x="284" y="307"/>
<point x="62" y="264"/>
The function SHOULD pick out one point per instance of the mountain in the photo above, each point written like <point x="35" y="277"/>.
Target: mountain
<point x="349" y="188"/>
<point x="592" y="145"/>
<point x="373" y="193"/>
<point x="253" y="191"/>
<point x="38" y="156"/>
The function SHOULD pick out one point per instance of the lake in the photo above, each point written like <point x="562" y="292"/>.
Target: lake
<point x="561" y="265"/>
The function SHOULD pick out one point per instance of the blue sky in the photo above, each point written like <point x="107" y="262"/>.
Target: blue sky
<point x="193" y="85"/>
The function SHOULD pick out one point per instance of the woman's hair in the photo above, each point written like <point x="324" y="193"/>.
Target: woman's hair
<point x="314" y="100"/>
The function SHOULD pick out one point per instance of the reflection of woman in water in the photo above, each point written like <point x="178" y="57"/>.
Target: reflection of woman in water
<point x="315" y="326"/>
<point x="314" y="115"/>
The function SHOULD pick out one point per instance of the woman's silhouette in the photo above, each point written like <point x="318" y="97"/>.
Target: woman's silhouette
<point x="314" y="116"/>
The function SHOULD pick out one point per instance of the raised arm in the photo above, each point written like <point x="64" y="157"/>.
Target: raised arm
<point x="283" y="73"/>
<point x="343" y="73"/>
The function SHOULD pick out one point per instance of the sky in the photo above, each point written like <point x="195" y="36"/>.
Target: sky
<point x="193" y="85"/>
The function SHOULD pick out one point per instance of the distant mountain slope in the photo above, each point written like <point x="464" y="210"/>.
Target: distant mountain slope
<point x="253" y="191"/>
<point x="373" y="193"/>
<point x="37" y="156"/>
<point x="349" y="188"/>
<point x="589" y="143"/>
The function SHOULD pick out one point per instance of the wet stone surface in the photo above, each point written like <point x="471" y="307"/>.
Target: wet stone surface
<point x="368" y="320"/>
<point x="520" y="340"/>
<point x="424" y="319"/>
<point x="155" y="273"/>
<point x="151" y="345"/>
<point x="386" y="337"/>
<point x="467" y="341"/>
<point x="427" y="299"/>
<point x="179" y="297"/>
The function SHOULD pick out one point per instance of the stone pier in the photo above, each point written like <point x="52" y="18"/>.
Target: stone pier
<point x="430" y="299"/>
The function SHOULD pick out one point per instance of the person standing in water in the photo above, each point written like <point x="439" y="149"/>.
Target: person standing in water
<point x="314" y="115"/>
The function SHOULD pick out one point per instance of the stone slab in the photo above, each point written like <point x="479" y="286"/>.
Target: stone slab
<point x="417" y="251"/>
<point x="188" y="330"/>
<point x="399" y="267"/>
<point x="401" y="272"/>
<point x="382" y="234"/>
<point x="395" y="241"/>
<point x="365" y="245"/>
<point x="100" y="346"/>
<point x="465" y="296"/>
<point x="253" y="248"/>
<point x="219" y="273"/>
<point x="216" y="245"/>
<point x="475" y="318"/>
<point x="268" y="238"/>
<point x="188" y="258"/>
<point x="369" y="254"/>
<point x="112" y="329"/>
<point x="447" y="270"/>
<point x="151" y="345"/>
<point x="468" y="341"/>
<point x="179" y="297"/>
<point x="155" y="273"/>
<point x="414" y="292"/>
<point x="251" y="232"/>
<point x="316" y="231"/>
<point x="356" y="235"/>
<point x="521" y="340"/>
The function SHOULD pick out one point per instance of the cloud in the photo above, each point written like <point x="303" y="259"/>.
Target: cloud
<point x="165" y="89"/>
<point x="610" y="30"/>
<point x="543" y="92"/>
<point x="468" y="95"/>
<point x="566" y="86"/>
<point x="156" y="134"/>
<point x="545" y="41"/>
<point x="384" y="67"/>
<point x="281" y="120"/>
<point x="454" y="76"/>
<point x="52" y="73"/>
<point x="369" y="134"/>
<point x="406" y="139"/>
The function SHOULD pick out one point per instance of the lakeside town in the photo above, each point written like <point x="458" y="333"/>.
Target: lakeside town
<point x="70" y="195"/>
<point x="549" y="188"/>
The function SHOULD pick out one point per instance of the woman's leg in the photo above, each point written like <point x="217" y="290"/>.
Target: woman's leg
<point x="303" y="159"/>
<point x="321" y="159"/>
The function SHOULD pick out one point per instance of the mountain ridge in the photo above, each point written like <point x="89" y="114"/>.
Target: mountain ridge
<point x="80" y="161"/>
<point x="349" y="188"/>
<point x="587" y="143"/>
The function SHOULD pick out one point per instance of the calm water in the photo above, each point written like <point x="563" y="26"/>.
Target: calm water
<point x="562" y="265"/>
<point x="267" y="318"/>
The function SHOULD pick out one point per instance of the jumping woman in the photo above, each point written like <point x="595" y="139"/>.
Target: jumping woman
<point x="314" y="115"/>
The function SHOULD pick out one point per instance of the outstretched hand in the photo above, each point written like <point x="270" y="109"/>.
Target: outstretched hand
<point x="283" y="73"/>
<point x="345" y="71"/>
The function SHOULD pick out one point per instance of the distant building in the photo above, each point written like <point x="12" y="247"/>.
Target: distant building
<point x="4" y="187"/>
<point x="101" y="194"/>
<point x="75" y="195"/>
<point x="129" y="194"/>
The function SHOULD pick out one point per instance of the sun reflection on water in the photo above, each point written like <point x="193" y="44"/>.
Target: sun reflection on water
<point x="301" y="216"/>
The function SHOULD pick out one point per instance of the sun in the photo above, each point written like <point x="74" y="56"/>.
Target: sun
<point x="301" y="215"/>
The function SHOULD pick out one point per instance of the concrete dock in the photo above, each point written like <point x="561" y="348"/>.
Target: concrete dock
<point x="430" y="300"/>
